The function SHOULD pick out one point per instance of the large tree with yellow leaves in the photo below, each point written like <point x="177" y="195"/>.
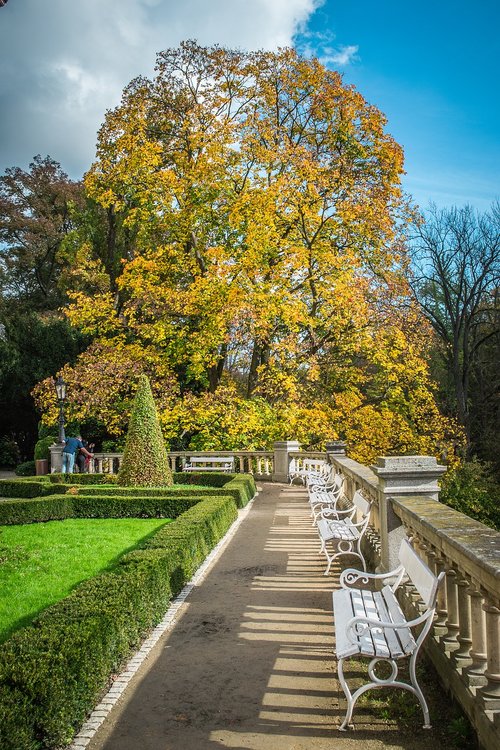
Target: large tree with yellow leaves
<point x="265" y="200"/>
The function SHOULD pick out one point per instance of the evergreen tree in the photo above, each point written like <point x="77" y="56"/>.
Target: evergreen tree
<point x="145" y="459"/>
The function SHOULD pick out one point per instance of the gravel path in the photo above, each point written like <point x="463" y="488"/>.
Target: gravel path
<point x="249" y="664"/>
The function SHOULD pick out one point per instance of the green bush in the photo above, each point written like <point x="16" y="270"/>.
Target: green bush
<point x="53" y="671"/>
<point x="239" y="486"/>
<point x="35" y="510"/>
<point x="26" y="469"/>
<point x="242" y="484"/>
<point x="473" y="490"/>
<point x="9" y="452"/>
<point x="42" y="447"/>
<point x="145" y="460"/>
<point x="137" y="506"/>
<point x="25" y="488"/>
<point x="82" y="478"/>
<point x="112" y="446"/>
<point x="61" y="506"/>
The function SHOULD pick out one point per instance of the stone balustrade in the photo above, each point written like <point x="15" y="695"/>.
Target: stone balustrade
<point x="258" y="463"/>
<point x="105" y="463"/>
<point x="465" y="644"/>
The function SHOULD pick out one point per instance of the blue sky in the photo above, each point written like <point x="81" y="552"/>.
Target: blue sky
<point x="432" y="68"/>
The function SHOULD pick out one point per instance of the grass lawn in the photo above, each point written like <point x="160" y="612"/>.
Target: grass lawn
<point x="40" y="563"/>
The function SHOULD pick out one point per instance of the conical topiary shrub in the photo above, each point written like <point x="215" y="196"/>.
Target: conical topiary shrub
<point x="145" y="459"/>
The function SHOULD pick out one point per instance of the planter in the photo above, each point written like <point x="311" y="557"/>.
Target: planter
<point x="41" y="466"/>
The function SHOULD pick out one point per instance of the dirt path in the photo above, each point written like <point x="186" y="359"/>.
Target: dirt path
<point x="249" y="663"/>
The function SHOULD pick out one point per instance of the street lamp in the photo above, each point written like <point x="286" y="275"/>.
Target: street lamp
<point x="61" y="396"/>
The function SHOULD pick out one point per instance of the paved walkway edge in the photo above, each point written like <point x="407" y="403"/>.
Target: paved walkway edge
<point x="103" y="709"/>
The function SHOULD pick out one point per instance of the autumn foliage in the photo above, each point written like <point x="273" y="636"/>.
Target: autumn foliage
<point x="263" y="288"/>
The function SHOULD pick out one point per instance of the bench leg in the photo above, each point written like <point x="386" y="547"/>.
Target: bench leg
<point x="376" y="683"/>
<point x="350" y="702"/>
<point x="342" y="547"/>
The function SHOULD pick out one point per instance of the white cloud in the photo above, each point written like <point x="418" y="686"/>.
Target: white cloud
<point x="341" y="56"/>
<point x="65" y="62"/>
<point x="321" y="44"/>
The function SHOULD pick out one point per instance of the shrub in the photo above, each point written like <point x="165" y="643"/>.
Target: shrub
<point x="145" y="460"/>
<point x="137" y="506"/>
<point x="17" y="488"/>
<point x="42" y="447"/>
<point x="27" y="469"/>
<point x="53" y="671"/>
<point x="472" y="489"/>
<point x="82" y="478"/>
<point x="69" y="505"/>
<point x="9" y="452"/>
<point x="112" y="446"/>
<point x="35" y="510"/>
<point x="240" y="486"/>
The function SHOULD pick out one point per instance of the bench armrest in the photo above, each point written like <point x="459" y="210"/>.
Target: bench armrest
<point x="357" y="626"/>
<point x="349" y="512"/>
<point x="351" y="576"/>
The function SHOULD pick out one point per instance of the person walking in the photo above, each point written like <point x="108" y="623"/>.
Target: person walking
<point x="71" y="446"/>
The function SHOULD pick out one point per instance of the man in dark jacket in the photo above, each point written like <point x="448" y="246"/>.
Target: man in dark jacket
<point x="69" y="452"/>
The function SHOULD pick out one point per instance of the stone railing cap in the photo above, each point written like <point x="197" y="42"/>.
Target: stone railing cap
<point x="407" y="464"/>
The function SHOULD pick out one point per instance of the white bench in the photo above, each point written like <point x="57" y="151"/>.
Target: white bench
<point x="340" y="530"/>
<point x="326" y="499"/>
<point x="302" y="468"/>
<point x="224" y="464"/>
<point x="372" y="624"/>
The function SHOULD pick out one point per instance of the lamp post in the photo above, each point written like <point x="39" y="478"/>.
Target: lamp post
<point x="61" y="396"/>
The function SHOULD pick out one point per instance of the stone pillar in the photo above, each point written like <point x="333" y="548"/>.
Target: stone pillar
<point x="56" y="458"/>
<point x="282" y="449"/>
<point x="402" y="476"/>
<point x="335" y="448"/>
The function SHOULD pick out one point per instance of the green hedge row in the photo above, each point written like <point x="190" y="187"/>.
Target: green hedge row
<point x="81" y="478"/>
<point x="240" y="486"/>
<point x="59" y="507"/>
<point x="53" y="672"/>
<point x="22" y="487"/>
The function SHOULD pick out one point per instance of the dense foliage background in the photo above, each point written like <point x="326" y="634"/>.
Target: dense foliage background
<point x="243" y="240"/>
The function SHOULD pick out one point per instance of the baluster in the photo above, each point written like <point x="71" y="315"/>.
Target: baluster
<point x="450" y="641"/>
<point x="242" y="464"/>
<point x="461" y="656"/>
<point x="438" y="565"/>
<point x="99" y="465"/>
<point x="422" y="549"/>
<point x="475" y="672"/>
<point x="266" y="466"/>
<point x="490" y="693"/>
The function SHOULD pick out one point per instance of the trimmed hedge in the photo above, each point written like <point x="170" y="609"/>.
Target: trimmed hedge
<point x="53" y="671"/>
<point x="22" y="487"/>
<point x="240" y="486"/>
<point x="82" y="478"/>
<point x="25" y="469"/>
<point x="59" y="507"/>
<point x="243" y="483"/>
<point x="35" y="510"/>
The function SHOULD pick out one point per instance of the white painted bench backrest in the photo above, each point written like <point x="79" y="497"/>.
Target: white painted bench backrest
<point x="422" y="578"/>
<point x="361" y="503"/>
<point x="212" y="460"/>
